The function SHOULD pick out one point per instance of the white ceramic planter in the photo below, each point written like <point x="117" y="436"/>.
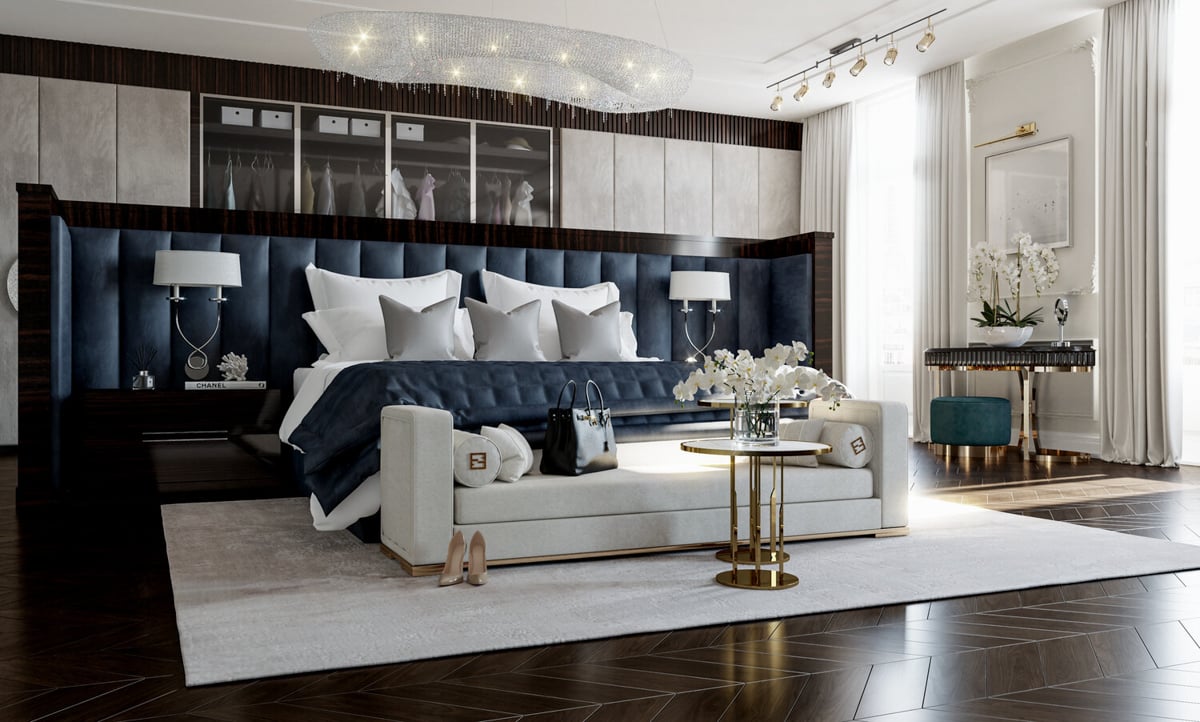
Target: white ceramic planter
<point x="1007" y="336"/>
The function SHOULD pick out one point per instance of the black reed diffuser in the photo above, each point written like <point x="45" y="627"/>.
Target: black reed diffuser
<point x="141" y="357"/>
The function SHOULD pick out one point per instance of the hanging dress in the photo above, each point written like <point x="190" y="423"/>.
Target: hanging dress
<point x="230" y="203"/>
<point x="357" y="204"/>
<point x="325" y="202"/>
<point x="425" y="205"/>
<point x="506" y="206"/>
<point x="403" y="206"/>
<point x="307" y="194"/>
<point x="453" y="199"/>
<point x="523" y="211"/>
<point x="255" y="202"/>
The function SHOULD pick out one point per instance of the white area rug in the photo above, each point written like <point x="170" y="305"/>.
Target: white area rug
<point x="259" y="592"/>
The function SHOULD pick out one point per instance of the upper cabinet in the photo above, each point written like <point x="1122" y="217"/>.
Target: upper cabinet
<point x="340" y="161"/>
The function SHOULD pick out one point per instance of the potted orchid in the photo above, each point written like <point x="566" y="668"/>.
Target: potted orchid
<point x="758" y="384"/>
<point x="1033" y="266"/>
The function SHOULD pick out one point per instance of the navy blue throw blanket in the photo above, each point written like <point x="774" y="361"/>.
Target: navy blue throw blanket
<point x="340" y="434"/>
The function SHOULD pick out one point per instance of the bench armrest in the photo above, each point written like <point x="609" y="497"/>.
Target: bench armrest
<point x="416" y="482"/>
<point x="888" y="422"/>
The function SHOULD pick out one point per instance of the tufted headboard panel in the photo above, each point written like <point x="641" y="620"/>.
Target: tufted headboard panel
<point x="115" y="308"/>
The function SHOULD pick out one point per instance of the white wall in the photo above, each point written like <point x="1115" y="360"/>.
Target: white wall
<point x="1050" y="79"/>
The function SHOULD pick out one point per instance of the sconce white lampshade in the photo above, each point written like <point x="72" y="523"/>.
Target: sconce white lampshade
<point x="197" y="269"/>
<point x="699" y="286"/>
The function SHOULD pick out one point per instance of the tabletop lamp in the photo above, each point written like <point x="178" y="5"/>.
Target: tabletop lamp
<point x="688" y="286"/>
<point x="197" y="269"/>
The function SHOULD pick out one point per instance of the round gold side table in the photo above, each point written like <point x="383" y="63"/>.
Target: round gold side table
<point x="760" y="576"/>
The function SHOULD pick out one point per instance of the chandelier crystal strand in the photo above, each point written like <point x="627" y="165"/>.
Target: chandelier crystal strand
<point x="578" y="67"/>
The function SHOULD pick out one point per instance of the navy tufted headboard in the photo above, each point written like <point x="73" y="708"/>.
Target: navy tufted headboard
<point x="114" y="307"/>
<point x="87" y="299"/>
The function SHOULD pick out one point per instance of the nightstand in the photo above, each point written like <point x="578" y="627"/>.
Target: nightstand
<point x="203" y="444"/>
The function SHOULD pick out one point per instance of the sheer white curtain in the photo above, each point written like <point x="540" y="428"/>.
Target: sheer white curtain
<point x="941" y="223"/>
<point x="825" y="178"/>
<point x="1135" y="419"/>
<point x="879" y="249"/>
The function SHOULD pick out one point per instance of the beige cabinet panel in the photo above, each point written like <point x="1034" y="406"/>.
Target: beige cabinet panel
<point x="778" y="193"/>
<point x="689" y="188"/>
<point x="152" y="146"/>
<point x="638" y="184"/>
<point x="78" y="127"/>
<point x="19" y="149"/>
<point x="735" y="191"/>
<point x="586" y="198"/>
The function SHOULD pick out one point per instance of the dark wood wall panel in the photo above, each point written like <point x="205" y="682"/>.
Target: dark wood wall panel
<point x="98" y="63"/>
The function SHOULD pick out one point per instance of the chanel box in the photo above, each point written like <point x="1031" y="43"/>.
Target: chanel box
<point x="233" y="115"/>
<point x="365" y="128"/>
<point x="410" y="131"/>
<point x="333" y="124"/>
<point x="275" y="119"/>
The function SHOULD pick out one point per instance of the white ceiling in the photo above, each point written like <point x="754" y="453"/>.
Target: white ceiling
<point x="738" y="49"/>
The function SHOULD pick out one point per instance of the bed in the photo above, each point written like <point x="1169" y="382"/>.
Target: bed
<point x="86" y="299"/>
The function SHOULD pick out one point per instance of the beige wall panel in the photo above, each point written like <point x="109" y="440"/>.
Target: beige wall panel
<point x="586" y="187"/>
<point x="735" y="191"/>
<point x="778" y="193"/>
<point x="638" y="184"/>
<point x="688" y="202"/>
<point x="78" y="127"/>
<point x="152" y="146"/>
<point x="19" y="149"/>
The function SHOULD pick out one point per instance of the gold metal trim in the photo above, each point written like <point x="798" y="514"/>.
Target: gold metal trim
<point x="427" y="570"/>
<point x="988" y="453"/>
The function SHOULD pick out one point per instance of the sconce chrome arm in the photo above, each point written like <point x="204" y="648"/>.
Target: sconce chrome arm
<point x="686" y="310"/>
<point x="197" y="360"/>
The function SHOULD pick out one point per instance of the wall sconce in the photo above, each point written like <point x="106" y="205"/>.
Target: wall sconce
<point x="688" y="286"/>
<point x="197" y="269"/>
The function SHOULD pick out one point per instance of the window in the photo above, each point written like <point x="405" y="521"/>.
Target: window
<point x="879" y="248"/>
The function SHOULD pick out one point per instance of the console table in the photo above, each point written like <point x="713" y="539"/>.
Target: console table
<point x="1025" y="361"/>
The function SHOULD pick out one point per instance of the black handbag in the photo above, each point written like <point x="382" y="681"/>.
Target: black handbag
<point x="579" y="440"/>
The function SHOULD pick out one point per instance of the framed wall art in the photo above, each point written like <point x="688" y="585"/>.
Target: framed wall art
<point x="1028" y="190"/>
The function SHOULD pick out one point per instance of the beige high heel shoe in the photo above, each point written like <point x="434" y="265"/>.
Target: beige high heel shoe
<point x="477" y="560"/>
<point x="452" y="572"/>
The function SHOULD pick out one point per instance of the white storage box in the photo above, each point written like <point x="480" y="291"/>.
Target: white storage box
<point x="365" y="128"/>
<point x="275" y="119"/>
<point x="332" y="124"/>
<point x="233" y="115"/>
<point x="410" y="131"/>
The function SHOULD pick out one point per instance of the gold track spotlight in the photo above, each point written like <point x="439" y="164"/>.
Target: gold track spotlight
<point x="828" y="81"/>
<point x="777" y="103"/>
<point x="860" y="64"/>
<point x="926" y="39"/>
<point x="803" y="89"/>
<point x="889" y="58"/>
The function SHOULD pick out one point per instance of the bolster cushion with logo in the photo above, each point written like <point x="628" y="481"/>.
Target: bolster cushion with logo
<point x="851" y="444"/>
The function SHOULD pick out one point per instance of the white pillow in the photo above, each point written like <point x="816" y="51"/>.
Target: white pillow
<point x="356" y="333"/>
<point x="477" y="459"/>
<point x="335" y="290"/>
<point x="852" y="444"/>
<point x="801" y="430"/>
<point x="516" y="455"/>
<point x="506" y="294"/>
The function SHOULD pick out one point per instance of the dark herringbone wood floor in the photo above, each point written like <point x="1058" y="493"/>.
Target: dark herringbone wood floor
<point x="87" y="632"/>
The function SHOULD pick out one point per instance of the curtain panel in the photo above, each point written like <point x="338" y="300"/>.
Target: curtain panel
<point x="941" y="222"/>
<point x="825" y="181"/>
<point x="1135" y="419"/>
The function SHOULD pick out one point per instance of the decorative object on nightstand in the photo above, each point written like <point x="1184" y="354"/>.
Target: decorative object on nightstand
<point x="142" y="356"/>
<point x="1033" y="263"/>
<point x="688" y="286"/>
<point x="233" y="367"/>
<point x="197" y="269"/>
<point x="1062" y="309"/>
<point x="757" y="385"/>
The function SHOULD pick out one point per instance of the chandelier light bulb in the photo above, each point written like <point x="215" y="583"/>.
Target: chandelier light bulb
<point x="926" y="39"/>
<point x="802" y="90"/>
<point x="828" y="81"/>
<point x="860" y="64"/>
<point x="889" y="58"/>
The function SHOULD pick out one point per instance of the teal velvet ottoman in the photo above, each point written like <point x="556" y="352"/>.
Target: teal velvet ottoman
<point x="970" y="421"/>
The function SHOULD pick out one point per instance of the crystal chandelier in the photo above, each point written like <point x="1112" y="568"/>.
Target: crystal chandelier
<point x="590" y="70"/>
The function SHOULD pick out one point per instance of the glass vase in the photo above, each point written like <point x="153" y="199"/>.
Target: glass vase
<point x="755" y="422"/>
